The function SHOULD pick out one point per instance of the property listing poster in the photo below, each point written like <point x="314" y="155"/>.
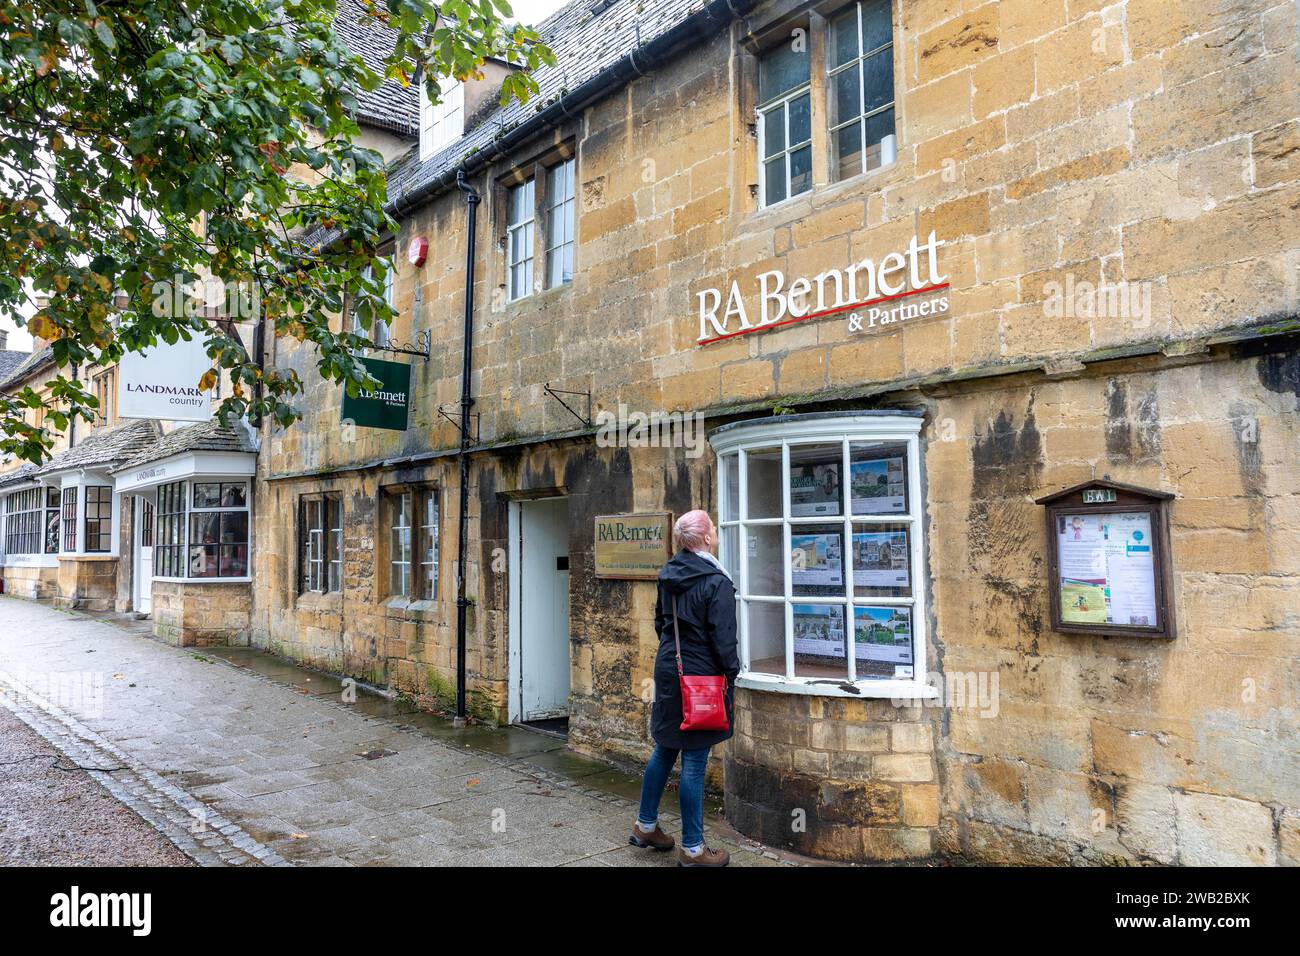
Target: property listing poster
<point x="814" y="489"/>
<point x="883" y="634"/>
<point x="819" y="630"/>
<point x="877" y="486"/>
<point x="816" y="559"/>
<point x="880" y="559"/>
<point x="1107" y="569"/>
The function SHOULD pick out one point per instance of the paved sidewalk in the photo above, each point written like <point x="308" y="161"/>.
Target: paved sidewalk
<point x="241" y="759"/>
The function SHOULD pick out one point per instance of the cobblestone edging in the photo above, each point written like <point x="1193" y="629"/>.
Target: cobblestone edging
<point x="197" y="830"/>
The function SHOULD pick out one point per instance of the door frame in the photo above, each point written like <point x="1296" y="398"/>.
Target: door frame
<point x="137" y="531"/>
<point x="515" y="687"/>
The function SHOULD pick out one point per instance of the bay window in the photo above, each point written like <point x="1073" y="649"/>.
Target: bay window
<point x="32" y="521"/>
<point x="821" y="529"/>
<point x="202" y="530"/>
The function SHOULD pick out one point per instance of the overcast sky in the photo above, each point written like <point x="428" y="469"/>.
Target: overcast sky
<point x="533" y="12"/>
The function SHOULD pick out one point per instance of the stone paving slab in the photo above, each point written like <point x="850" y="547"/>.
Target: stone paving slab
<point x="243" y="760"/>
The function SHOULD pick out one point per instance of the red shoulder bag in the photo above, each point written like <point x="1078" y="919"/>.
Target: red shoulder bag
<point x="704" y="698"/>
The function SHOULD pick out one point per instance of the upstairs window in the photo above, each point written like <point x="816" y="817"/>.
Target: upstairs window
<point x="860" y="94"/>
<point x="784" y="123"/>
<point x="559" y="223"/>
<point x="380" y="332"/>
<point x="519" y="239"/>
<point x="441" y="123"/>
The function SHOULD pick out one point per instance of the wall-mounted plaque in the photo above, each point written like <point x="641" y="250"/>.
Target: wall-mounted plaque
<point x="1108" y="547"/>
<point x="633" y="547"/>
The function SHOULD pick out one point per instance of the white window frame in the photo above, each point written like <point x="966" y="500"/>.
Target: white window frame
<point x="782" y="103"/>
<point x="734" y="443"/>
<point x="380" y="331"/>
<point x="560" y="222"/>
<point x="520" y="249"/>
<point x="441" y="123"/>
<point x="862" y="114"/>
<point x="401" y="546"/>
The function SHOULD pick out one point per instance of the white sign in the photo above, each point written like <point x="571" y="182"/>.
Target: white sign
<point x="897" y="275"/>
<point x="163" y="383"/>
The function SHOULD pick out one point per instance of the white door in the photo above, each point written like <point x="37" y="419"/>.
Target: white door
<point x="143" y="555"/>
<point x="543" y="561"/>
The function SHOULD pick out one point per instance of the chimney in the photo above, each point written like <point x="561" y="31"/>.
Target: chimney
<point x="4" y="339"/>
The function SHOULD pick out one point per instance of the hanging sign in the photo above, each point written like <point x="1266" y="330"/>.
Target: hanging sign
<point x="163" y="382"/>
<point x="388" y="406"/>
<point x="632" y="547"/>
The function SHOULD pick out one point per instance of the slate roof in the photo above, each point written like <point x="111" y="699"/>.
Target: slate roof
<point x="106" y="447"/>
<point x="392" y="106"/>
<point x="584" y="44"/>
<point x="18" y="475"/>
<point x="30" y="362"/>
<point x="203" y="436"/>
<point x="10" y="359"/>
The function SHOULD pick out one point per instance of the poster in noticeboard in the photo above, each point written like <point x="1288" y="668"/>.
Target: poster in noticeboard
<point x="1106" y="569"/>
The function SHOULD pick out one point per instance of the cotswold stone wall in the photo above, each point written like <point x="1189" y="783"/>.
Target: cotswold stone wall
<point x="87" y="583"/>
<point x="188" y="614"/>
<point x="1117" y="193"/>
<point x="34" y="584"/>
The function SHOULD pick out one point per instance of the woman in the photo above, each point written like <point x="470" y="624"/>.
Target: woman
<point x="706" y="614"/>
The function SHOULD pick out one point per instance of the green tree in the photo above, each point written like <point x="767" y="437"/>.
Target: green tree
<point x="124" y="123"/>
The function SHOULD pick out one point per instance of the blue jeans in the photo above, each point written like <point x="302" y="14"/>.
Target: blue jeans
<point x="690" y="791"/>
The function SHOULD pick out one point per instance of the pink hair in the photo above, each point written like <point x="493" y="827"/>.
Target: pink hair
<point x="691" y="530"/>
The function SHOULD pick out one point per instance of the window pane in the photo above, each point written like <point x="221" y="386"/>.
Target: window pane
<point x="766" y="622"/>
<point x="819" y="644"/>
<point x="800" y="119"/>
<point x="730" y="485"/>
<point x="878" y="478"/>
<point x="845" y="96"/>
<point x="203" y="561"/>
<point x="844" y="37"/>
<point x="815" y="487"/>
<point x="234" y="560"/>
<point x="766" y="559"/>
<point x="234" y="527"/>
<point x="877" y="27"/>
<point x="205" y="528"/>
<point x="817" y="560"/>
<point x="801" y="171"/>
<point x="846" y="151"/>
<point x="881" y="561"/>
<point x="207" y="495"/>
<point x="730" y="551"/>
<point x="878" y="80"/>
<point x="781" y="69"/>
<point x="234" y="495"/>
<point x="880" y="139"/>
<point x="882" y="640"/>
<point x="773" y="131"/>
<point x="774" y="176"/>
<point x="763" y="479"/>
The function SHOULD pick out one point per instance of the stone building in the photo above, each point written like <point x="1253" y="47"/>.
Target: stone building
<point x="917" y="267"/>
<point x="910" y="276"/>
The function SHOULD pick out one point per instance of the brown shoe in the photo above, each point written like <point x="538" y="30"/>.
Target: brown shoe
<point x="706" y="857"/>
<point x="655" y="840"/>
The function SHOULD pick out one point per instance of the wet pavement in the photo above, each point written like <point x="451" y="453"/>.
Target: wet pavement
<point x="240" y="758"/>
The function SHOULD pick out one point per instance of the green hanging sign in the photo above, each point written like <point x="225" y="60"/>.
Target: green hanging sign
<point x="389" y="405"/>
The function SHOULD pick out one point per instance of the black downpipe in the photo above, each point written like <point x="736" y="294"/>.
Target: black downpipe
<point x="472" y="200"/>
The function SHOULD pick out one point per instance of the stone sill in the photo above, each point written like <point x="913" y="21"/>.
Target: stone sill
<point x="203" y="580"/>
<point x="88" y="557"/>
<point x="869" y="690"/>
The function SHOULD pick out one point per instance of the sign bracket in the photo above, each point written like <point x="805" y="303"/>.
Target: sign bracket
<point x="477" y="416"/>
<point x="555" y="393"/>
<point x="420" y="347"/>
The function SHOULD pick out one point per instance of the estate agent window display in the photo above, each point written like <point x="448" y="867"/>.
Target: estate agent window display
<point x="821" y="527"/>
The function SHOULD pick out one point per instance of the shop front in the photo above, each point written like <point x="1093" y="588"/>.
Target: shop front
<point x="190" y="545"/>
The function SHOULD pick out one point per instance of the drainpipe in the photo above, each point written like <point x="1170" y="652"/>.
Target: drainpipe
<point x="472" y="200"/>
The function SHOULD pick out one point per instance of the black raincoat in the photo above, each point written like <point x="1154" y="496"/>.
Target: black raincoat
<point x="706" y="615"/>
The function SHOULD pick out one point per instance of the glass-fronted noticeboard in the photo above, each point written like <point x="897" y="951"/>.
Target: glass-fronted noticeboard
<point x="1108" y="547"/>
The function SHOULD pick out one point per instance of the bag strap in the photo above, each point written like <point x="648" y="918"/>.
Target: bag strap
<point x="677" y="638"/>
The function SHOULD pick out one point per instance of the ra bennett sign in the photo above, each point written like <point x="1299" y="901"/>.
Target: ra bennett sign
<point x="862" y="288"/>
<point x="388" y="405"/>
<point x="632" y="547"/>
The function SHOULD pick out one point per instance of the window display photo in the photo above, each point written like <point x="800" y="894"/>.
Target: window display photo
<point x="878" y="485"/>
<point x="880" y="559"/>
<point x="816" y="560"/>
<point x="882" y="635"/>
<point x="815" y="483"/>
<point x="819" y="633"/>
